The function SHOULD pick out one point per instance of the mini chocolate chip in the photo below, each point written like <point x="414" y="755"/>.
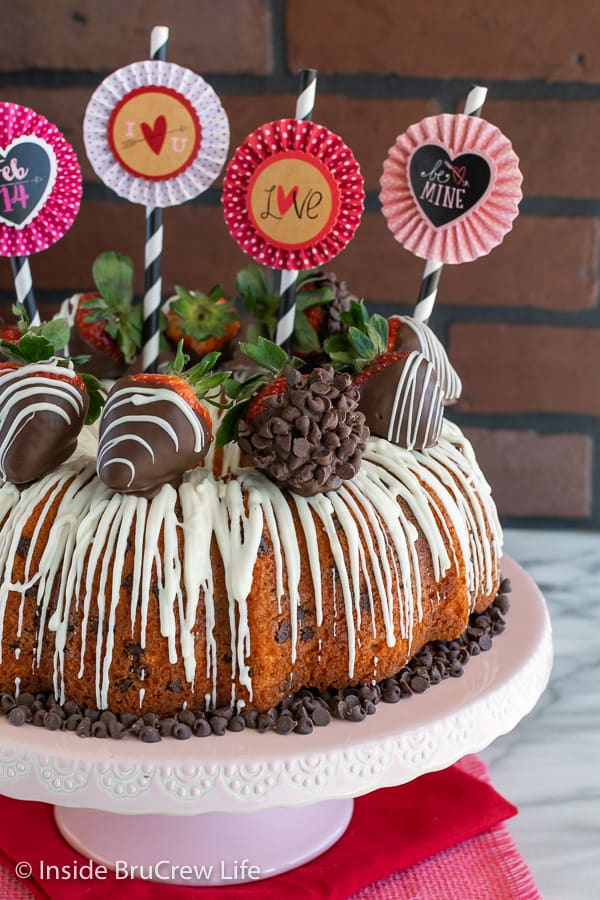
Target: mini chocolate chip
<point x="284" y="725"/>
<point x="107" y="716"/>
<point x="175" y="686"/>
<point x="27" y="699"/>
<point x="265" y="723"/>
<point x="505" y="586"/>
<point x="356" y="714"/>
<point x="127" y="719"/>
<point x="250" y="717"/>
<point x="456" y="670"/>
<point x="73" y="721"/>
<point x="236" y="723"/>
<point x="116" y="730"/>
<point x="99" y="729"/>
<point x="307" y="633"/>
<point x="92" y="714"/>
<point x="419" y="683"/>
<point x="166" y="726"/>
<point x="304" y="726"/>
<point x="485" y="642"/>
<point x="218" y="725"/>
<point x="498" y="627"/>
<point x="182" y="732"/>
<point x="503" y="603"/>
<point x="150" y="735"/>
<point x="474" y="648"/>
<point x="187" y="717"/>
<point x="39" y="717"/>
<point x="320" y="717"/>
<point x="7" y="702"/>
<point x="84" y="728"/>
<point x="202" y="728"/>
<point x="391" y="694"/>
<point x="283" y="632"/>
<point x="52" y="721"/>
<point x="71" y="708"/>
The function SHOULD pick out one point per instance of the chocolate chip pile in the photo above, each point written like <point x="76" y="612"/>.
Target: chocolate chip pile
<point x="310" y="437"/>
<point x="299" y="714"/>
<point x="342" y="297"/>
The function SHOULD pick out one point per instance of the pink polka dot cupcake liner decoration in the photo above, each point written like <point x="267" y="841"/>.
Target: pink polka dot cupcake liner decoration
<point x="40" y="182"/>
<point x="293" y="195"/>
<point x="451" y="188"/>
<point x="156" y="133"/>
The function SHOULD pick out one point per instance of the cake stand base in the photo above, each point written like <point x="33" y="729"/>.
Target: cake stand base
<point x="209" y="849"/>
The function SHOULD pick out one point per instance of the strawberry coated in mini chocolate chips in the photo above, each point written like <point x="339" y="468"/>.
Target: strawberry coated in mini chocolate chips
<point x="302" y="429"/>
<point x="400" y="393"/>
<point x="155" y="427"/>
<point x="406" y="333"/>
<point x="44" y="404"/>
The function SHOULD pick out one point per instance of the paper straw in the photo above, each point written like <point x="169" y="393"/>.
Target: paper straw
<point x="154" y="246"/>
<point x="24" y="287"/>
<point x="433" y="270"/>
<point x="305" y="105"/>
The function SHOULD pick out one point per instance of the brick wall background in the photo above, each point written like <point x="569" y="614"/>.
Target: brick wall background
<point x="522" y="325"/>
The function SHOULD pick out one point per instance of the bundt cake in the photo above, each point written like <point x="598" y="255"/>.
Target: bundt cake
<point x="229" y="588"/>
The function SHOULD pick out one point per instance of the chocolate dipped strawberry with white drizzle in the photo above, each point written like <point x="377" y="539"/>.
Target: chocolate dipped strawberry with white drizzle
<point x="400" y="393"/>
<point x="408" y="334"/>
<point x="154" y="427"/>
<point x="44" y="404"/>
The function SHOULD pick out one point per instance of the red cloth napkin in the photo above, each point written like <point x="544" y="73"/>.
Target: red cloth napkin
<point x="391" y="829"/>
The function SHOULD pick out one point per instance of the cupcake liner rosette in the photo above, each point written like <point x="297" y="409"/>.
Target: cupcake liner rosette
<point x="204" y="110"/>
<point x="40" y="194"/>
<point x="322" y="148"/>
<point x="473" y="232"/>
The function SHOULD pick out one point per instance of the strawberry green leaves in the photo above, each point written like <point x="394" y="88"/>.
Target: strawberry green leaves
<point x="366" y="339"/>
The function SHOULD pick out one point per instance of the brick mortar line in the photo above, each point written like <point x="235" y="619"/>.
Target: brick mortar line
<point x="356" y="84"/>
<point x="536" y="207"/>
<point x="278" y="38"/>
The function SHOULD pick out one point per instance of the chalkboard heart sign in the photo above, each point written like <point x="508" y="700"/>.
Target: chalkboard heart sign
<point x="446" y="188"/>
<point x="451" y="188"/>
<point x="27" y="176"/>
<point x="40" y="182"/>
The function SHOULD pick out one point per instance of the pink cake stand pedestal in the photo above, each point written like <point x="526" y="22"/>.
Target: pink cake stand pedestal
<point x="249" y="806"/>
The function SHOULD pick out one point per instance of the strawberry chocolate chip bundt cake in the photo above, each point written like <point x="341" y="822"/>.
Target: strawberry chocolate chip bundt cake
<point x="316" y="529"/>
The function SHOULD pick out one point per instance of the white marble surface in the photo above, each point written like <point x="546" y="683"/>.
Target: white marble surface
<point x="549" y="766"/>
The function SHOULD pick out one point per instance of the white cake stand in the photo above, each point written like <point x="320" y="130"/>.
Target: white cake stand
<point x="264" y="800"/>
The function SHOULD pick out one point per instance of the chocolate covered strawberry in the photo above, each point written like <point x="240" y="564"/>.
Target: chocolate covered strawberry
<point x="204" y="322"/>
<point x="302" y="429"/>
<point x="400" y="394"/>
<point x="106" y="325"/>
<point x="44" y="404"/>
<point x="155" y="427"/>
<point x="406" y="333"/>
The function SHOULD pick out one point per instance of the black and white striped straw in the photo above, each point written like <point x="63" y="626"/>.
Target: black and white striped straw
<point x="305" y="105"/>
<point x="154" y="246"/>
<point x="24" y="287"/>
<point x="433" y="270"/>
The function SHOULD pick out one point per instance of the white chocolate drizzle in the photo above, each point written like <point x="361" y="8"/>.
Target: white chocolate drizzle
<point x="371" y="526"/>
<point x="417" y="388"/>
<point x="434" y="350"/>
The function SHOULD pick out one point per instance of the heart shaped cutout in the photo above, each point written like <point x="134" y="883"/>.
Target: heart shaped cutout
<point x="447" y="189"/>
<point x="285" y="201"/>
<point x="27" y="176"/>
<point x="155" y="135"/>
